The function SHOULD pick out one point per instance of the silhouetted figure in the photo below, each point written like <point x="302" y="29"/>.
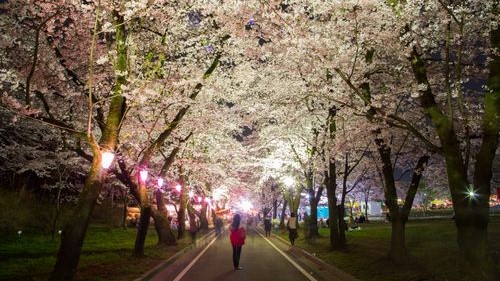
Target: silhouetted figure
<point x="362" y="219"/>
<point x="218" y="225"/>
<point x="267" y="226"/>
<point x="291" y="225"/>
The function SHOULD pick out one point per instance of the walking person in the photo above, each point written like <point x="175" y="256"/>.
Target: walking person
<point x="267" y="226"/>
<point x="218" y="226"/>
<point x="237" y="238"/>
<point x="291" y="225"/>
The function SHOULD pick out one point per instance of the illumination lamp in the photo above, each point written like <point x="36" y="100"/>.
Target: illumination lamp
<point x="288" y="181"/>
<point x="107" y="159"/>
<point x="144" y="175"/>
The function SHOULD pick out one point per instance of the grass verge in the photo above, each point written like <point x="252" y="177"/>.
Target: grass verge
<point x="106" y="255"/>
<point x="432" y="246"/>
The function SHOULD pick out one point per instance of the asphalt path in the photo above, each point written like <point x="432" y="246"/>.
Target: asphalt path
<point x="266" y="259"/>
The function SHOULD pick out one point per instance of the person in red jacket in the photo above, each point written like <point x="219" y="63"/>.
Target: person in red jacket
<point x="237" y="237"/>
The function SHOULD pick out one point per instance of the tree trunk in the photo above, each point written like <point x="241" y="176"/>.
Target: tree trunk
<point x="471" y="211"/>
<point x="312" y="228"/>
<point x="283" y="211"/>
<point x="144" y="219"/>
<point x="366" y="205"/>
<point x="192" y="217"/>
<point x="163" y="229"/>
<point x="313" y="221"/>
<point x="342" y="226"/>
<point x="75" y="229"/>
<point x="398" y="251"/>
<point x="275" y="208"/>
<point x="125" y="205"/>
<point x="331" y="186"/>
<point x="203" y="216"/>
<point x="162" y="223"/>
<point x="181" y="215"/>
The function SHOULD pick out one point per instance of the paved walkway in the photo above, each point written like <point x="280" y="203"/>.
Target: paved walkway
<point x="266" y="259"/>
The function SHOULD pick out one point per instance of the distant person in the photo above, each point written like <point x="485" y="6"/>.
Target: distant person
<point x="388" y="217"/>
<point x="237" y="238"/>
<point x="291" y="225"/>
<point x="362" y="219"/>
<point x="267" y="226"/>
<point x="218" y="225"/>
<point x="321" y="223"/>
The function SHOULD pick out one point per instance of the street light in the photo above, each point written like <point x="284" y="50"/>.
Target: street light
<point x="191" y="194"/>
<point x="160" y="182"/>
<point x="107" y="159"/>
<point x="288" y="181"/>
<point x="178" y="188"/>
<point x="144" y="175"/>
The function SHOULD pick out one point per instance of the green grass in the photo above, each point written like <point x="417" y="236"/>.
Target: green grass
<point x="106" y="255"/>
<point x="432" y="246"/>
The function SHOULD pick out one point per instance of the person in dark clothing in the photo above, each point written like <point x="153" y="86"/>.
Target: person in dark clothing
<point x="237" y="238"/>
<point x="267" y="226"/>
<point x="218" y="225"/>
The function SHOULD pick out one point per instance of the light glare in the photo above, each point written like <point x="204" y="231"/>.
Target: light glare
<point x="107" y="159"/>
<point x="144" y="175"/>
<point x="246" y="205"/>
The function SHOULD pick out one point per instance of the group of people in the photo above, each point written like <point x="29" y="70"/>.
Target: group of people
<point x="360" y="219"/>
<point x="237" y="234"/>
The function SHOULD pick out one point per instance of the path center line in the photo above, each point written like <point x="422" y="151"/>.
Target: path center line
<point x="188" y="267"/>
<point x="300" y="268"/>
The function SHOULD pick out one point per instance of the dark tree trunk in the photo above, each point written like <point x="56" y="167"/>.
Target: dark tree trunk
<point x="397" y="252"/>
<point x="144" y="219"/>
<point x="125" y="205"/>
<point x="275" y="208"/>
<point x="471" y="211"/>
<point x="163" y="229"/>
<point x="313" y="221"/>
<point x="331" y="186"/>
<point x="142" y="231"/>
<point x="313" y="203"/>
<point x="342" y="225"/>
<point x="181" y="215"/>
<point x="192" y="217"/>
<point x="75" y="229"/>
<point x="162" y="223"/>
<point x="283" y="211"/>
<point x="203" y="216"/>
